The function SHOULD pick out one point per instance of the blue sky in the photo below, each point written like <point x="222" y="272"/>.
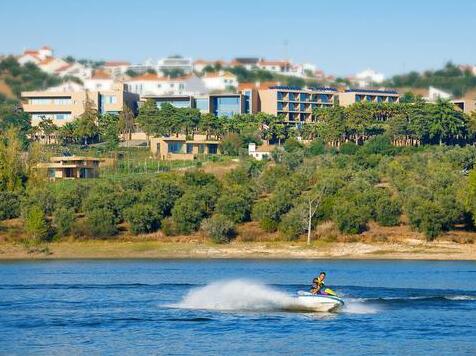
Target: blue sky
<point x="341" y="37"/>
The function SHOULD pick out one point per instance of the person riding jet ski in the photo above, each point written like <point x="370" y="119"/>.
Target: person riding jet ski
<point x="318" y="285"/>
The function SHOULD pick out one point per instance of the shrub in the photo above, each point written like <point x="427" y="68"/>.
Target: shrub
<point x="142" y="218"/>
<point x="316" y="148"/>
<point x="189" y="211"/>
<point x="235" y="204"/>
<point x="9" y="205"/>
<point x="293" y="145"/>
<point x="267" y="213"/>
<point x="351" y="218"/>
<point x="388" y="211"/>
<point x="381" y="144"/>
<point x="294" y="223"/>
<point x="231" y="144"/>
<point x="219" y="228"/>
<point x="101" y="223"/>
<point x="39" y="196"/>
<point x="168" y="227"/>
<point x="36" y="224"/>
<point x="161" y="194"/>
<point x="348" y="148"/>
<point x="63" y="219"/>
<point x="69" y="194"/>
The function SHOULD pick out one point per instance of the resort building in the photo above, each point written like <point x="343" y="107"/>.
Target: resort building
<point x="179" y="101"/>
<point x="352" y="96"/>
<point x="227" y="104"/>
<point x="295" y="104"/>
<point x="71" y="167"/>
<point x="183" y="148"/>
<point x="64" y="106"/>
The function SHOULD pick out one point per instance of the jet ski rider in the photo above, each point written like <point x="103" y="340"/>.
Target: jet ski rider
<point x="318" y="285"/>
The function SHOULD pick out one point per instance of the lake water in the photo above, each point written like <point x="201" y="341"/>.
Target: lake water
<point x="234" y="306"/>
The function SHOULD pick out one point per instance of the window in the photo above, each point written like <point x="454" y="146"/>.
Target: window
<point x="304" y="96"/>
<point x="189" y="148"/>
<point x="280" y="95"/>
<point x="51" y="173"/>
<point x="324" y="98"/>
<point x="212" y="148"/>
<point x="62" y="101"/>
<point x="175" y="147"/>
<point x="62" y="116"/>
<point x="280" y="106"/>
<point x="40" y="101"/>
<point x="302" y="107"/>
<point x="201" y="104"/>
<point x="201" y="148"/>
<point x="227" y="105"/>
<point x="292" y="96"/>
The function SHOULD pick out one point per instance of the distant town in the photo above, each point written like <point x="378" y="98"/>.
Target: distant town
<point x="240" y="86"/>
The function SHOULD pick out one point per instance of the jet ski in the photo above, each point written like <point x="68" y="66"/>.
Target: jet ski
<point x="325" y="302"/>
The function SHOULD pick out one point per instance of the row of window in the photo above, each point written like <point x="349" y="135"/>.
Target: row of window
<point x="378" y="99"/>
<point x="177" y="147"/>
<point x="296" y="106"/>
<point x="303" y="97"/>
<point x="49" y="101"/>
<point x="52" y="116"/>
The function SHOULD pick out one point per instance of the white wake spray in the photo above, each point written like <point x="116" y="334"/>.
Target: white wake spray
<point x="246" y="295"/>
<point x="236" y="294"/>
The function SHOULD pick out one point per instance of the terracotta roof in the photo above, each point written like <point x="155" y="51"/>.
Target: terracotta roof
<point x="46" y="47"/>
<point x="116" y="63"/>
<point x="145" y="76"/>
<point x="203" y="61"/>
<point x="99" y="74"/>
<point x="30" y="51"/>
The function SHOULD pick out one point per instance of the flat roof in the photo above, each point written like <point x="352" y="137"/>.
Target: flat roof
<point x="372" y="91"/>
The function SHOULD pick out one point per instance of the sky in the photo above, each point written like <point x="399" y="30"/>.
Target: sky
<point x="341" y="37"/>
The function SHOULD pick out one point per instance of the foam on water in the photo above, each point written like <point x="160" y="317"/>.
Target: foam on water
<point x="236" y="294"/>
<point x="246" y="295"/>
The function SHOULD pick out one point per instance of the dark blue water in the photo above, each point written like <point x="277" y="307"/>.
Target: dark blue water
<point x="138" y="307"/>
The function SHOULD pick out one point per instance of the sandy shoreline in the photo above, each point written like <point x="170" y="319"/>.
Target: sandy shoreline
<point x="143" y="249"/>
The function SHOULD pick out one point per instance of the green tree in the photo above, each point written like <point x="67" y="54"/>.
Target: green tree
<point x="12" y="170"/>
<point x="63" y="219"/>
<point x="219" y="228"/>
<point x="142" y="218"/>
<point x="36" y="224"/>
<point x="108" y="127"/>
<point x="86" y="129"/>
<point x="101" y="223"/>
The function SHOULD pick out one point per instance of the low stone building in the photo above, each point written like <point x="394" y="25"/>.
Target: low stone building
<point x="71" y="167"/>
<point x="183" y="148"/>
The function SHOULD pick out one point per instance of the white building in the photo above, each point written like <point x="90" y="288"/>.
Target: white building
<point x="175" y="63"/>
<point x="35" y="56"/>
<point x="261" y="152"/>
<point x="75" y="70"/>
<point x="51" y="64"/>
<point x="116" y="68"/>
<point x="434" y="94"/>
<point x="367" y="77"/>
<point x="153" y="84"/>
<point x="220" y="80"/>
<point x="100" y="80"/>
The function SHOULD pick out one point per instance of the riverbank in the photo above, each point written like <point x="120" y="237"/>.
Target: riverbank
<point x="125" y="249"/>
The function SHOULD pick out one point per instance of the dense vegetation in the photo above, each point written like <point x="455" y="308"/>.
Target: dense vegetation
<point x="430" y="188"/>
<point x="450" y="78"/>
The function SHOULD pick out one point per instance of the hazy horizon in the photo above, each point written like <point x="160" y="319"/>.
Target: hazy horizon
<point x="340" y="39"/>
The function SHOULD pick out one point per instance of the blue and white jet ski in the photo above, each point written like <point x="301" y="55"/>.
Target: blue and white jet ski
<point x="318" y="302"/>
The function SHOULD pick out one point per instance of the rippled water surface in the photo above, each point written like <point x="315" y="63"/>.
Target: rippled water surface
<point x="219" y="306"/>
